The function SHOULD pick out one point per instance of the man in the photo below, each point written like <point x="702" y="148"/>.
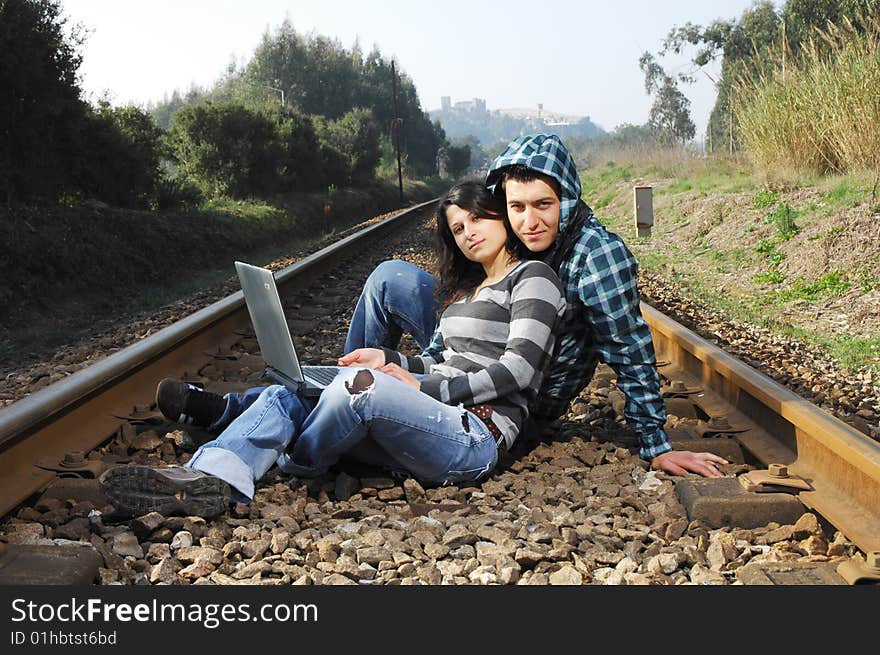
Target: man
<point x="539" y="182"/>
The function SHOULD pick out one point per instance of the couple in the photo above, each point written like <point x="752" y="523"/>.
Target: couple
<point x="442" y="415"/>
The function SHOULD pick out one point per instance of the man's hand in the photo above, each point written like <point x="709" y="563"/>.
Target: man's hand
<point x="679" y="462"/>
<point x="404" y="376"/>
<point x="366" y="357"/>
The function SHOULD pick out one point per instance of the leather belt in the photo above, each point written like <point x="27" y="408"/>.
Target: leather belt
<point x="484" y="412"/>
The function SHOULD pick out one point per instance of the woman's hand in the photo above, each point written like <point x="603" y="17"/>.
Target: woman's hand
<point x="366" y="357"/>
<point x="404" y="376"/>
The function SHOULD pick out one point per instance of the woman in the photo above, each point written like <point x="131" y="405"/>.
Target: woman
<point x="440" y="416"/>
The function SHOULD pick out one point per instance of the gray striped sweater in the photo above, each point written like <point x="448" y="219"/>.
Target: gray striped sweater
<point x="495" y="346"/>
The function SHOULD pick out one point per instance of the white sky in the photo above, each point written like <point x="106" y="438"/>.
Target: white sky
<point x="575" y="57"/>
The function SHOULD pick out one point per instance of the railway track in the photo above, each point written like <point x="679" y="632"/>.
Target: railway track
<point x="56" y="441"/>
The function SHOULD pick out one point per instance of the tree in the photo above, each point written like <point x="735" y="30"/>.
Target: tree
<point x="123" y="157"/>
<point x="40" y="106"/>
<point x="670" y="117"/>
<point x="759" y="36"/>
<point x="455" y="160"/>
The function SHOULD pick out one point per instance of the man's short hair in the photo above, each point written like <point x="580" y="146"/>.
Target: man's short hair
<point x="524" y="174"/>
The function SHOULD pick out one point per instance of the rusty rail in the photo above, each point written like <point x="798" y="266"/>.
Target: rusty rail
<point x="83" y="410"/>
<point x="841" y="463"/>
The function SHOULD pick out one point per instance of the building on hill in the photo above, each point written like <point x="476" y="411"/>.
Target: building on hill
<point x="476" y="105"/>
<point x="472" y="118"/>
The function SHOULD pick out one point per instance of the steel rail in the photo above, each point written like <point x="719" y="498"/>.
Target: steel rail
<point x="841" y="463"/>
<point x="81" y="411"/>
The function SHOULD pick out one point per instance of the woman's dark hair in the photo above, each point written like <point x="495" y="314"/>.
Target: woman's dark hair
<point x="457" y="274"/>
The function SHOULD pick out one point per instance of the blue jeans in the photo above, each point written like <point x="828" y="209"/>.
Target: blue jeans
<point x="398" y="297"/>
<point x="387" y="423"/>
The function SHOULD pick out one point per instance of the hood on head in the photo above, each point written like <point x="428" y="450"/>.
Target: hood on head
<point x="546" y="154"/>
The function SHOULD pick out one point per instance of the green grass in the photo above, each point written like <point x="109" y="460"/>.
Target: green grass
<point x="603" y="201"/>
<point x="249" y="210"/>
<point x="773" y="276"/>
<point x="830" y="284"/>
<point x="844" y="194"/>
<point x="707" y="183"/>
<point x="601" y="182"/>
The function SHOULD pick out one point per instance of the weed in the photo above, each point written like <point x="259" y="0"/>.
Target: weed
<point x="775" y="258"/>
<point x="773" y="276"/>
<point x="783" y="218"/>
<point x="766" y="246"/>
<point x="764" y="199"/>
<point x="868" y="282"/>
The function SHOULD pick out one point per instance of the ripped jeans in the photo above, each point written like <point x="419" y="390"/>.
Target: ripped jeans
<point x="366" y="415"/>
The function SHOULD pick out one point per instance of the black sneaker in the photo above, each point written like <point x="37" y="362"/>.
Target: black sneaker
<point x="186" y="403"/>
<point x="139" y="490"/>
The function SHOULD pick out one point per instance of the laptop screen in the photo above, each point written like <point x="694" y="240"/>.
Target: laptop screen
<point x="267" y="317"/>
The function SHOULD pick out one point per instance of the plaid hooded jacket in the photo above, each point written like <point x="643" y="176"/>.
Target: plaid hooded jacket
<point x="602" y="320"/>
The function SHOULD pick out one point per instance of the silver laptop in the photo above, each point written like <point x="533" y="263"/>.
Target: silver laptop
<point x="273" y="335"/>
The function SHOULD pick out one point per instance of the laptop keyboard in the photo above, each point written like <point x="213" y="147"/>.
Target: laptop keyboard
<point x="321" y="374"/>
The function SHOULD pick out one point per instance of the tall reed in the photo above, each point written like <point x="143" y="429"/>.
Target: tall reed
<point x="820" y="110"/>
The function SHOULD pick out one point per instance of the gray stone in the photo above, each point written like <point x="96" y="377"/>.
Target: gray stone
<point x="194" y="554"/>
<point x="126" y="544"/>
<point x="663" y="563"/>
<point x="255" y="549"/>
<point x="182" y="539"/>
<point x="415" y="493"/>
<point x="337" y="579"/>
<point x="459" y="535"/>
<point x="567" y="575"/>
<point x="157" y="552"/>
<point x="807" y="526"/>
<point x="373" y="555"/>
<point x="163" y="572"/>
<point x="436" y="551"/>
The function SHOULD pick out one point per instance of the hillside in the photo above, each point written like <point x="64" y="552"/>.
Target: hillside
<point x="800" y="257"/>
<point x="491" y="126"/>
<point x="76" y="270"/>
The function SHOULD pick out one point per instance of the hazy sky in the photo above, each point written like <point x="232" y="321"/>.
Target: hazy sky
<point x="575" y="57"/>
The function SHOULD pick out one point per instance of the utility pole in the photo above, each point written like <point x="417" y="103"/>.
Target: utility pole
<point x="730" y="120"/>
<point x="397" y="130"/>
<point x="783" y="51"/>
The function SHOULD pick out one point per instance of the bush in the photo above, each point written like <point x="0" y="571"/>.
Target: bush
<point x="350" y="147"/>
<point x="229" y="149"/>
<point x="175" y="193"/>
<point x="301" y="164"/>
<point x="226" y="149"/>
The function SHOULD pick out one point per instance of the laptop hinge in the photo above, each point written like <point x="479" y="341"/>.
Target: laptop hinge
<point x="286" y="380"/>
